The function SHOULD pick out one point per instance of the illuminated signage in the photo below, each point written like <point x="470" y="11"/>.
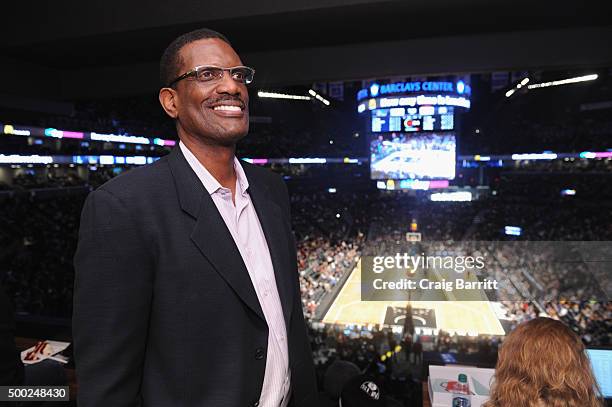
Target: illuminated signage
<point x="459" y="196"/>
<point x="118" y="138"/>
<point x="107" y="160"/>
<point x="50" y="132"/>
<point x="479" y="157"/>
<point x="307" y="161"/>
<point x="413" y="101"/>
<point x="603" y="154"/>
<point x="398" y="119"/>
<point x="513" y="230"/>
<point x="460" y="87"/>
<point x="443" y="100"/>
<point x="25" y="159"/>
<point x="417" y="184"/>
<point x="427" y="110"/>
<point x="375" y="89"/>
<point x="136" y="160"/>
<point x="414" y="184"/>
<point x="534" y="156"/>
<point x="568" y="192"/>
<point x="10" y="129"/>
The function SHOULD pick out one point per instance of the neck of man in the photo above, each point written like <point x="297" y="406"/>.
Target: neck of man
<point x="217" y="159"/>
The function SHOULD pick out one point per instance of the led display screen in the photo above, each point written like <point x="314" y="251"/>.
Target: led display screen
<point x="413" y="119"/>
<point x="413" y="156"/>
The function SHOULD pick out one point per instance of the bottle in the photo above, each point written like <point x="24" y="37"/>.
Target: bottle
<point x="461" y="393"/>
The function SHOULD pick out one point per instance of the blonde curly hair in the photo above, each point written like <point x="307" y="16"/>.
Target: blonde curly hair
<point x="543" y="363"/>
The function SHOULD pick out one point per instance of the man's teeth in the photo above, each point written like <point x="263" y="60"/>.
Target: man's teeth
<point x="228" y="108"/>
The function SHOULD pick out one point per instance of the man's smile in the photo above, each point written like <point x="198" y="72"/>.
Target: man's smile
<point x="228" y="108"/>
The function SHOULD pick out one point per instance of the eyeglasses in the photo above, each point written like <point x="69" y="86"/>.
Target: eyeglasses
<point x="242" y="74"/>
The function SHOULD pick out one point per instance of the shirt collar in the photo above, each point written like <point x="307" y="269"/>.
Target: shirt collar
<point x="241" y="179"/>
<point x="210" y="183"/>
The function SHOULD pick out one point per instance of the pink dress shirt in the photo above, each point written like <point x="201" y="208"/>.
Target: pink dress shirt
<point x="244" y="226"/>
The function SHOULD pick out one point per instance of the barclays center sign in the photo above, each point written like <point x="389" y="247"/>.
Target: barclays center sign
<point x="376" y="90"/>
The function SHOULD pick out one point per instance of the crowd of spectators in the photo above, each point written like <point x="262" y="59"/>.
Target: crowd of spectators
<point x="556" y="189"/>
<point x="330" y="229"/>
<point x="547" y="269"/>
<point x="29" y="180"/>
<point x="566" y="165"/>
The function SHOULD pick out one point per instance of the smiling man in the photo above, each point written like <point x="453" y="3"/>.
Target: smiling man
<point x="186" y="289"/>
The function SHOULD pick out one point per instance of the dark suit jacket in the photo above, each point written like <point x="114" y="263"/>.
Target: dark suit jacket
<point x="165" y="313"/>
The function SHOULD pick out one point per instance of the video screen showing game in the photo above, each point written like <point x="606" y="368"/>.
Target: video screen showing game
<point x="413" y="156"/>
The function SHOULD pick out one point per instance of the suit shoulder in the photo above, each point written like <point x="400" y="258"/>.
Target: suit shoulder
<point x="263" y="174"/>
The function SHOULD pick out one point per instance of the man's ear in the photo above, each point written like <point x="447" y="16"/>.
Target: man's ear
<point x="169" y="101"/>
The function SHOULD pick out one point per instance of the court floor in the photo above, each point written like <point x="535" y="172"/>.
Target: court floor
<point x="461" y="317"/>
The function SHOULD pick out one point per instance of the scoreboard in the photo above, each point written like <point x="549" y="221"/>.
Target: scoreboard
<point x="414" y="106"/>
<point x="413" y="119"/>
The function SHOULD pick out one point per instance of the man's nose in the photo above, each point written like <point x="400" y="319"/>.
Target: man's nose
<point x="228" y="85"/>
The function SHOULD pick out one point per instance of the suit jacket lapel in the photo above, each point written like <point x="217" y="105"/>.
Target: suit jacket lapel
<point x="210" y="233"/>
<point x="270" y="214"/>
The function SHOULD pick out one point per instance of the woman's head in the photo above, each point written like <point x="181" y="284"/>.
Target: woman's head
<point x="543" y="363"/>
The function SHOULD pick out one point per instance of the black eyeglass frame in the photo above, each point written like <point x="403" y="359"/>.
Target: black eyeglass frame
<point x="194" y="72"/>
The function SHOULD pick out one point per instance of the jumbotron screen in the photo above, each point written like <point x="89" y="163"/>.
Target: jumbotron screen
<point x="428" y="155"/>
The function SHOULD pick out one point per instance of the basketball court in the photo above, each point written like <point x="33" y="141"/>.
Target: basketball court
<point x="460" y="317"/>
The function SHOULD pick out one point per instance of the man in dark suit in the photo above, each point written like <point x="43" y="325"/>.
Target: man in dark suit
<point x="186" y="289"/>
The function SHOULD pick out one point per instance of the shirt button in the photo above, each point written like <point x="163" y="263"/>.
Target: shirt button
<point x="259" y="353"/>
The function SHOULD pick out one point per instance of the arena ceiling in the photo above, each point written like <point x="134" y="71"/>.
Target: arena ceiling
<point x="71" y="49"/>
